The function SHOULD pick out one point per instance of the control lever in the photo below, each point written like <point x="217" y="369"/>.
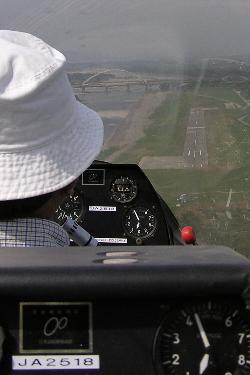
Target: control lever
<point x="79" y="235"/>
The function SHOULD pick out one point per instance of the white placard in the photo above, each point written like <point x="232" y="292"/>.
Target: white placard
<point x="55" y="362"/>
<point x="112" y="240"/>
<point x="102" y="209"/>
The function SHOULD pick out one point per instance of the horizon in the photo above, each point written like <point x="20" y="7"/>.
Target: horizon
<point x="111" y="30"/>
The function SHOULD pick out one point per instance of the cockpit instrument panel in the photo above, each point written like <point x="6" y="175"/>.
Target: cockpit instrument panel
<point x="117" y="204"/>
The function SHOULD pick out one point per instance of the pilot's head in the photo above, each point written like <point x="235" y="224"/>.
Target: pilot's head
<point x="47" y="138"/>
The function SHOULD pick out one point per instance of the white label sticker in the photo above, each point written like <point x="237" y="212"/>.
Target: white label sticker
<point x="55" y="362"/>
<point x="102" y="208"/>
<point x="112" y="240"/>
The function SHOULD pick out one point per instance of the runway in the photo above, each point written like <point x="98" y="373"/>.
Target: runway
<point x="195" y="148"/>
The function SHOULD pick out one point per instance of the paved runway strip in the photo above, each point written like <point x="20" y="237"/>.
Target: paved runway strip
<point x="195" y="148"/>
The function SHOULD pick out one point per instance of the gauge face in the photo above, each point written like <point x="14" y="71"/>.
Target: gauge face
<point x="72" y="207"/>
<point x="139" y="222"/>
<point x="210" y="338"/>
<point x="123" y="189"/>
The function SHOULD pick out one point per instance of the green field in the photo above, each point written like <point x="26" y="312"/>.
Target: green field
<point x="205" y="207"/>
<point x="166" y="133"/>
<point x="207" y="190"/>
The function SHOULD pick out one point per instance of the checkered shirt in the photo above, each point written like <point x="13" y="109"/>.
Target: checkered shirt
<point x="32" y="232"/>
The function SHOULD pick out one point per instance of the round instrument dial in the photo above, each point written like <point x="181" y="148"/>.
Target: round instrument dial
<point x="209" y="338"/>
<point x="123" y="189"/>
<point x="139" y="222"/>
<point x="72" y="207"/>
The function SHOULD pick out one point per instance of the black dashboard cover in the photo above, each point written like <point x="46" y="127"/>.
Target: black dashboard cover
<point x="108" y="272"/>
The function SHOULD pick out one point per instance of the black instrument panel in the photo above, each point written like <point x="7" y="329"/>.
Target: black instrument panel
<point x="118" y="205"/>
<point x="159" y="337"/>
<point x="173" y="310"/>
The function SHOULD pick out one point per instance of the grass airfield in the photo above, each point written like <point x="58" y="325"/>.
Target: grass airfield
<point x="216" y="199"/>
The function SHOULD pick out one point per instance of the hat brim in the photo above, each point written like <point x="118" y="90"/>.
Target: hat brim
<point x="54" y="165"/>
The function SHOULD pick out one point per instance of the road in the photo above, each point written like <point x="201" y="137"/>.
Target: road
<point x="195" y="148"/>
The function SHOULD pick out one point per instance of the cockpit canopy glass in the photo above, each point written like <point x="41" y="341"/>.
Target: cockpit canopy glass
<point x="171" y="81"/>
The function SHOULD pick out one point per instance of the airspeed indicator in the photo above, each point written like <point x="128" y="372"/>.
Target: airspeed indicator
<point x="139" y="222"/>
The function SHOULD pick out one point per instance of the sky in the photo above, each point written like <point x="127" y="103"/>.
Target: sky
<point x="116" y="30"/>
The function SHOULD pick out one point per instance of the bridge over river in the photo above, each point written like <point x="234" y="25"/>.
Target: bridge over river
<point x="122" y="78"/>
<point x="128" y="83"/>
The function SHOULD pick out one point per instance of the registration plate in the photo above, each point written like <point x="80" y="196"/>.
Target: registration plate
<point x="55" y="362"/>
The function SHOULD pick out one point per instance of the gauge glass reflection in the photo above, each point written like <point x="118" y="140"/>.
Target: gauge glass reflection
<point x="139" y="222"/>
<point x="123" y="189"/>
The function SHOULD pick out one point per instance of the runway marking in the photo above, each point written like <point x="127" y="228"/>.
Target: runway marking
<point x="201" y="165"/>
<point x="189" y="152"/>
<point x="229" y="198"/>
<point x="194" y="154"/>
<point x="195" y="141"/>
<point x="196" y="127"/>
<point x="200" y="152"/>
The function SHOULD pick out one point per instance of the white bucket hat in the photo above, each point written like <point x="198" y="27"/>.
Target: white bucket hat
<point x="47" y="138"/>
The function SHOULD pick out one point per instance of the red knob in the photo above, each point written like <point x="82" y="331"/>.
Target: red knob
<point x="188" y="235"/>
